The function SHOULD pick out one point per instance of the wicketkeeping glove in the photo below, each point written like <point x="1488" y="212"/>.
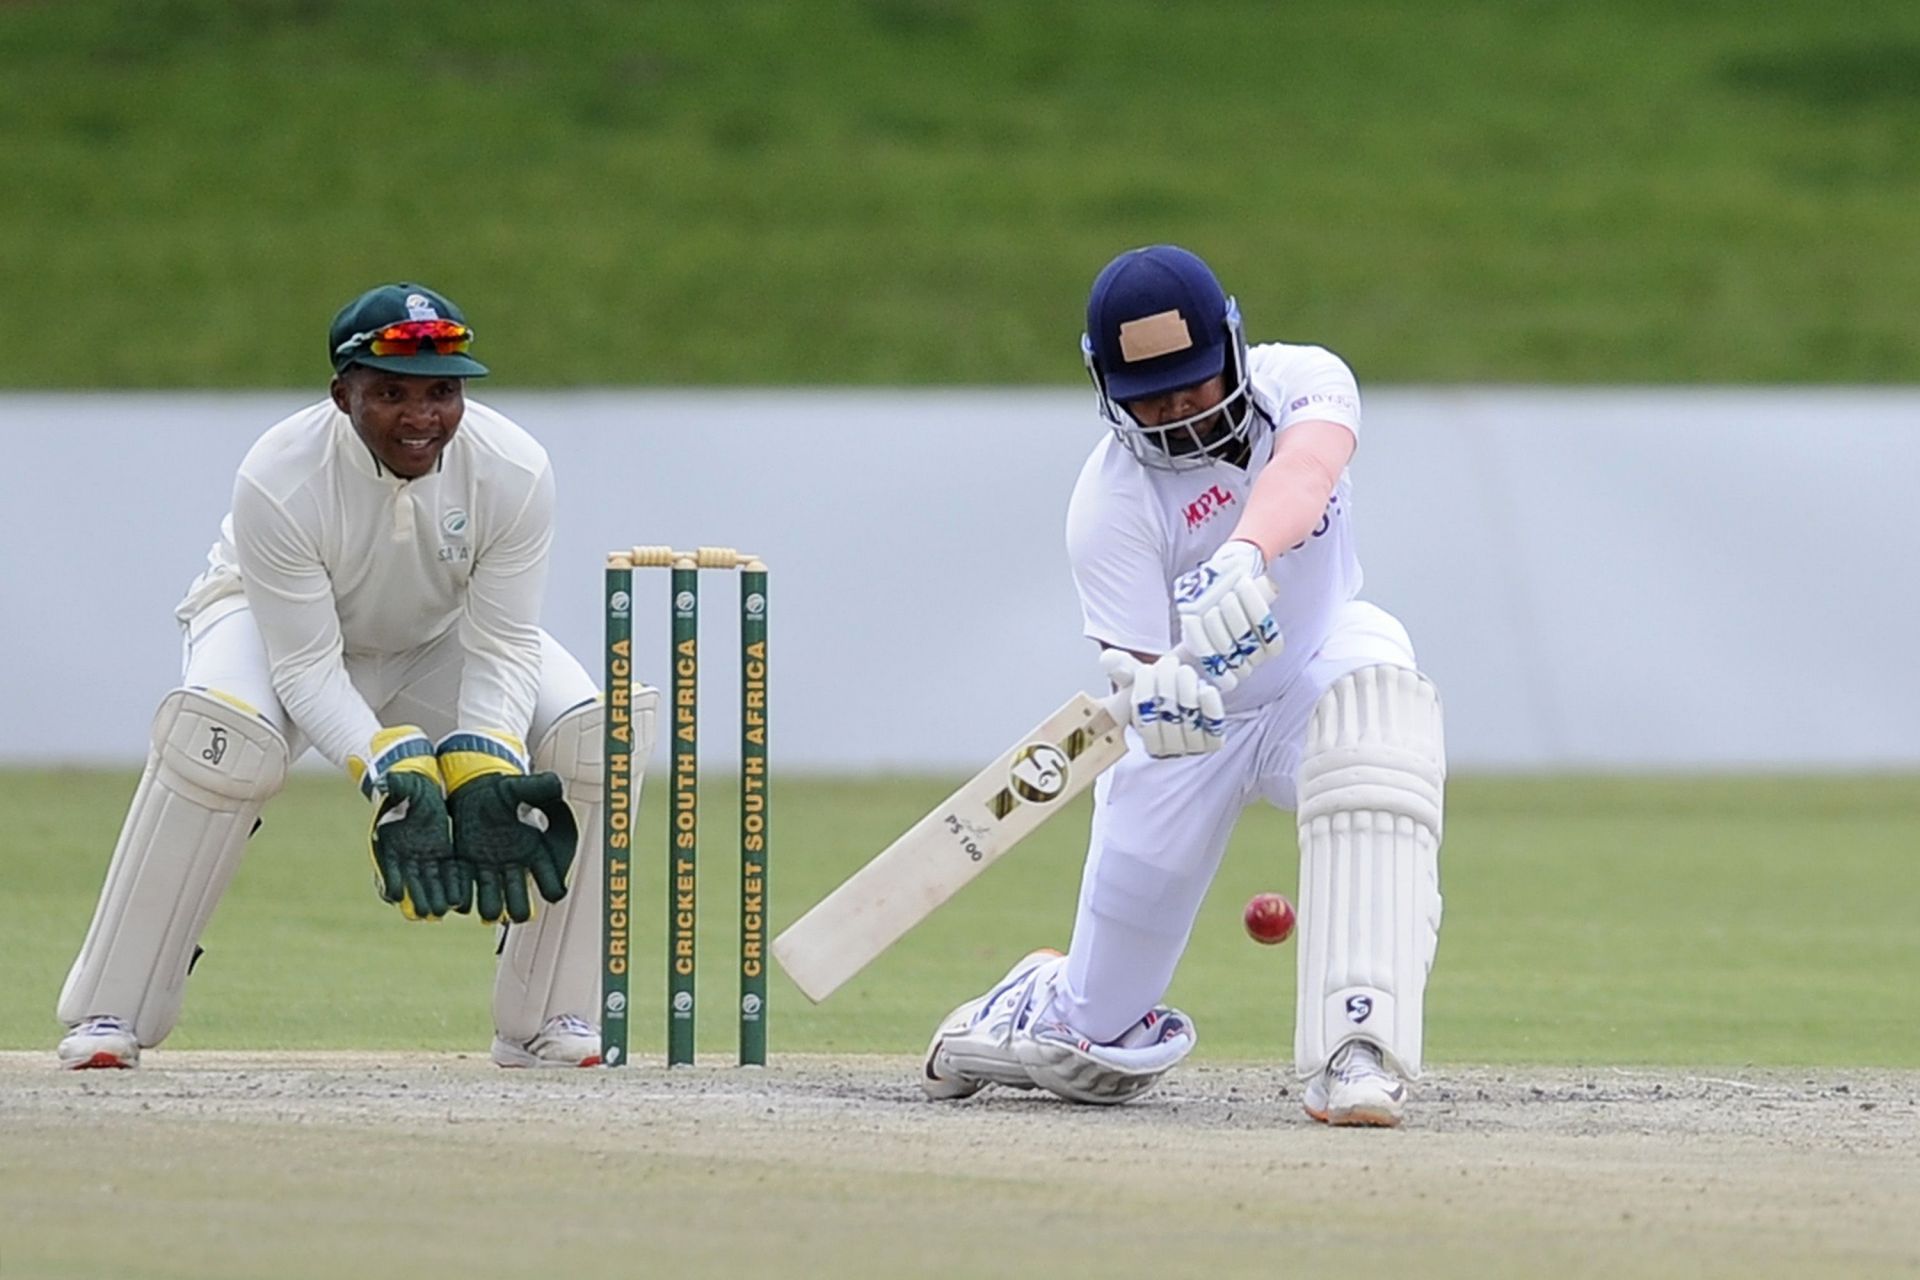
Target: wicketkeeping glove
<point x="1175" y="712"/>
<point x="411" y="841"/>
<point x="508" y="826"/>
<point x="1226" y="614"/>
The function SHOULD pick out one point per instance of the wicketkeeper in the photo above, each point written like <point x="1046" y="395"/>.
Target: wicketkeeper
<point x="1216" y="514"/>
<point x="375" y="594"/>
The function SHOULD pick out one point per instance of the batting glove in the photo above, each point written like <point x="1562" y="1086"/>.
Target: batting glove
<point x="1174" y="711"/>
<point x="1226" y="613"/>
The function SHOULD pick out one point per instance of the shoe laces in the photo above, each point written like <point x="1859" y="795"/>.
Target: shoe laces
<point x="1357" y="1060"/>
<point x="568" y="1024"/>
<point x="102" y="1024"/>
<point x="1017" y="998"/>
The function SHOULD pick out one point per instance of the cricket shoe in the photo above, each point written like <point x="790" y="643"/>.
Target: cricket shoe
<point x="1069" y="1065"/>
<point x="100" y="1042"/>
<point x="564" y="1041"/>
<point x="974" y="1046"/>
<point x="1357" y="1089"/>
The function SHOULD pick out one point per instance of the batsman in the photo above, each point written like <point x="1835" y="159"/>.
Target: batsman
<point x="1215" y="517"/>
<point x="374" y="594"/>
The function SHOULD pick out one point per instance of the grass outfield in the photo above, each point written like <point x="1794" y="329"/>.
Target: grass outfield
<point x="919" y="191"/>
<point x="1727" y="921"/>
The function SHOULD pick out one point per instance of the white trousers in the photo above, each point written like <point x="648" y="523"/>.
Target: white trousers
<point x="223" y="650"/>
<point x="1160" y="828"/>
<point x="547" y="967"/>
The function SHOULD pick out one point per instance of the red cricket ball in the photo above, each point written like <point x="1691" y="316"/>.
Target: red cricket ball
<point x="1269" y="918"/>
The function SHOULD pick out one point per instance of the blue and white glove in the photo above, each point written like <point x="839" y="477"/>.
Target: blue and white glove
<point x="1226" y="613"/>
<point x="1174" y="711"/>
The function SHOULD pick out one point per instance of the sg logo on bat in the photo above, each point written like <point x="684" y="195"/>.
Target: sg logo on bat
<point x="1039" y="772"/>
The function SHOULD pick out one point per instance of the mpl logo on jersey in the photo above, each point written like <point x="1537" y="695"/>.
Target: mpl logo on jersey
<point x="1207" y="506"/>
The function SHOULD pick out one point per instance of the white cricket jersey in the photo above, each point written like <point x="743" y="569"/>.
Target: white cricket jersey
<point x="1132" y="530"/>
<point x="339" y="557"/>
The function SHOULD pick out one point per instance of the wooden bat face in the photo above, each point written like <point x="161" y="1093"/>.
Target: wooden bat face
<point x="1030" y="782"/>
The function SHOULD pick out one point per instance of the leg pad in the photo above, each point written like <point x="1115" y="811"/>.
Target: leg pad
<point x="1371" y="796"/>
<point x="214" y="764"/>
<point x="550" y="965"/>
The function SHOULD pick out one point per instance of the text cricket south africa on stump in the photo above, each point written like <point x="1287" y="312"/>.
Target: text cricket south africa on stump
<point x="682" y="843"/>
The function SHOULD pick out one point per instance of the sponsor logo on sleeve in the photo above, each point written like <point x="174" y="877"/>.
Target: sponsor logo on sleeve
<point x="1325" y="400"/>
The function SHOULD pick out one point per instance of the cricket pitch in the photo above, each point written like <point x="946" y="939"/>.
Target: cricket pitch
<point x="369" y="1165"/>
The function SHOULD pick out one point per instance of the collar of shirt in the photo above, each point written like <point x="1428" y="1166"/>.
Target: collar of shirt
<point x="348" y="444"/>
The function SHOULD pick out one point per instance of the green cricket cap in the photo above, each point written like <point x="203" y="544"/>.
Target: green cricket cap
<point x="399" y="318"/>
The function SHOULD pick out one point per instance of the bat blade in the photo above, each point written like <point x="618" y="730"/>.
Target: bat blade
<point x="909" y="879"/>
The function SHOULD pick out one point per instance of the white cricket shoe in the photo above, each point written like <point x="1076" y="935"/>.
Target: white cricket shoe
<point x="974" y="1046"/>
<point x="100" y="1042"/>
<point x="1357" y="1089"/>
<point x="564" y="1041"/>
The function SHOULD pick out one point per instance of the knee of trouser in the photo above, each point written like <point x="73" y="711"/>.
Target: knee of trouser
<point x="216" y="743"/>
<point x="1134" y="891"/>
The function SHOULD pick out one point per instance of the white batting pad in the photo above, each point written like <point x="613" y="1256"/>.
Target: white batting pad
<point x="212" y="767"/>
<point x="551" y="964"/>
<point x="1371" y="792"/>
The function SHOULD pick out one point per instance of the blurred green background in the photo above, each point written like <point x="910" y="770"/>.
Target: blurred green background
<point x="920" y="191"/>
<point x="1671" y="921"/>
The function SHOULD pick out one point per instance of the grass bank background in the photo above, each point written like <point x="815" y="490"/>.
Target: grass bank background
<point x="919" y="191"/>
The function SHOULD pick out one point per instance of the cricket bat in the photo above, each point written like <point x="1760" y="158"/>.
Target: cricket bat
<point x="904" y="884"/>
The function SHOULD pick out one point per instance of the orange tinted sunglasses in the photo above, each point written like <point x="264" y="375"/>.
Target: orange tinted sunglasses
<point x="411" y="337"/>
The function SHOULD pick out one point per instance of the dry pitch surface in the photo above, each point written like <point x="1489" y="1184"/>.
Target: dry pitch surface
<point x="335" y="1165"/>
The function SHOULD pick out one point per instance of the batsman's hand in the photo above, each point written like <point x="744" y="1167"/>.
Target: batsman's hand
<point x="411" y="841"/>
<point x="509" y="828"/>
<point x="1226" y="613"/>
<point x="1175" y="712"/>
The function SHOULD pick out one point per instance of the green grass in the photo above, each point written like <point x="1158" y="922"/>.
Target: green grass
<point x="1651" y="921"/>
<point x="919" y="191"/>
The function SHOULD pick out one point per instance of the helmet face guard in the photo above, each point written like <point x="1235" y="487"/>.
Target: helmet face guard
<point x="1198" y="440"/>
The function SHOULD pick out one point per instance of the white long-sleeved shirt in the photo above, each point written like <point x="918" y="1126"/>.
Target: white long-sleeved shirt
<point x="339" y="558"/>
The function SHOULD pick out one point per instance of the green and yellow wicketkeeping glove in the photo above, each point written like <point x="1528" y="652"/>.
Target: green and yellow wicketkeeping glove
<point x="508" y="826"/>
<point x="412" y="838"/>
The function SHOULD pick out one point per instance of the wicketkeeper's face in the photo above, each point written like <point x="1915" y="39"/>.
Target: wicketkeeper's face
<point x="404" y="419"/>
